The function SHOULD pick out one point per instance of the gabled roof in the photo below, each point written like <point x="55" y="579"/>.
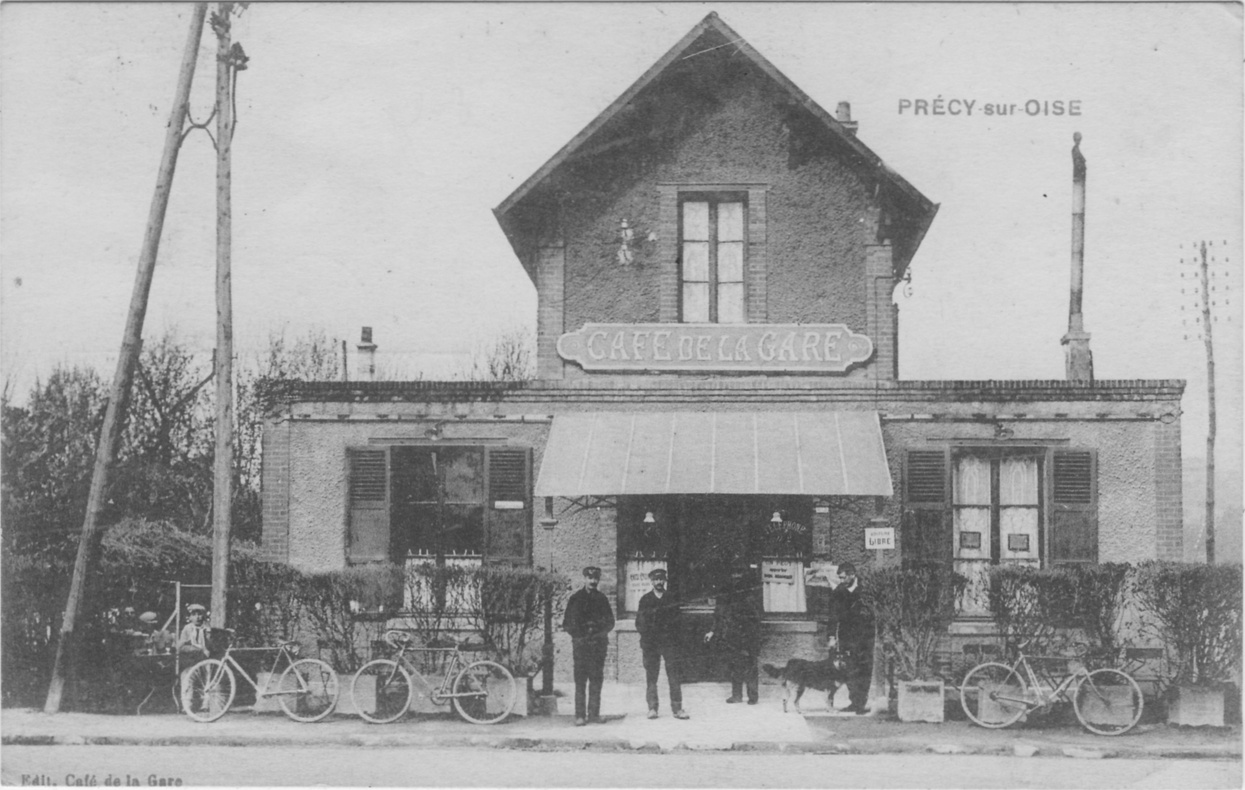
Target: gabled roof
<point x="918" y="207"/>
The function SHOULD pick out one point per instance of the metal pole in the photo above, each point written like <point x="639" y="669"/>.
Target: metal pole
<point x="1210" y="394"/>
<point x="222" y="486"/>
<point x="131" y="343"/>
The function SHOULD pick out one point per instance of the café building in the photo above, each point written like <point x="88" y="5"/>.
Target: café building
<point x="715" y="258"/>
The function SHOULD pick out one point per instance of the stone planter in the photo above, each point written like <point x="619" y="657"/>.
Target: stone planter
<point x="921" y="700"/>
<point x="1110" y="706"/>
<point x="1195" y="706"/>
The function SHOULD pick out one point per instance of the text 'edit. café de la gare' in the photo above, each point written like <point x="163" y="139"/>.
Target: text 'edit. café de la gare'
<point x="715" y="258"/>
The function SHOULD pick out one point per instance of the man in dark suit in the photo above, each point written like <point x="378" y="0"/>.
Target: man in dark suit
<point x="657" y="621"/>
<point x="855" y="635"/>
<point x="737" y="631"/>
<point x="589" y="620"/>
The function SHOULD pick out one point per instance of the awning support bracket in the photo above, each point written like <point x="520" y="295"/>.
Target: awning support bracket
<point x="582" y="503"/>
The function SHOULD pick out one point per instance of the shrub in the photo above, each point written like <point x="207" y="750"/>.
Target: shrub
<point x="1099" y="593"/>
<point x="1039" y="605"/>
<point x="330" y="601"/>
<point x="1197" y="609"/>
<point x="913" y="608"/>
<point x="510" y="611"/>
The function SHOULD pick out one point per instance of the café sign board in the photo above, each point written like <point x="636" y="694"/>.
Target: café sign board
<point x="786" y="348"/>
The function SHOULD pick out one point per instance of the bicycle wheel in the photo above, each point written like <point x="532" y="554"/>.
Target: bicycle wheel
<point x="207" y="690"/>
<point x="489" y="692"/>
<point x="994" y="695"/>
<point x="313" y="689"/>
<point x="1108" y="702"/>
<point x="393" y="691"/>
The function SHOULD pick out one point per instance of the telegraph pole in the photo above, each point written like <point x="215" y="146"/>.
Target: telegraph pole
<point x="1210" y="394"/>
<point x="222" y="485"/>
<point x="1210" y="287"/>
<point x="131" y="344"/>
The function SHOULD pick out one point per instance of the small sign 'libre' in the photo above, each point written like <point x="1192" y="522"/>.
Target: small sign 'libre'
<point x="813" y="348"/>
<point x="879" y="538"/>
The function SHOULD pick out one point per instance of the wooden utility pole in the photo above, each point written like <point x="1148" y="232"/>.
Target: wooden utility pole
<point x="222" y="485"/>
<point x="131" y="343"/>
<point x="1210" y="393"/>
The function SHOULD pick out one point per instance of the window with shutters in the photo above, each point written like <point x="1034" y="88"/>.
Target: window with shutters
<point x="711" y="257"/>
<point x="1074" y="507"/>
<point x="466" y="503"/>
<point x="980" y="506"/>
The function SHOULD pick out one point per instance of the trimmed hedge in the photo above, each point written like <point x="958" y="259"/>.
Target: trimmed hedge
<point x="1197" y="612"/>
<point x="268" y="603"/>
<point x="913" y="607"/>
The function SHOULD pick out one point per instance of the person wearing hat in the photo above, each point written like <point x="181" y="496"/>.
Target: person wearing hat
<point x="588" y="620"/>
<point x="192" y="642"/>
<point x="854" y="622"/>
<point x="736" y="632"/>
<point x="657" y="621"/>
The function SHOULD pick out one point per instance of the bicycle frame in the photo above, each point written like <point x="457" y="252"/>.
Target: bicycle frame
<point x="454" y="666"/>
<point x="1044" y="685"/>
<point x="281" y="652"/>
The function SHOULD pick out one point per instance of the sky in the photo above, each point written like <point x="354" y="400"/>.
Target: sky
<point x="373" y="141"/>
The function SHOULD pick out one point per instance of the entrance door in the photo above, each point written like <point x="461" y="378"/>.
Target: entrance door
<point x="713" y="533"/>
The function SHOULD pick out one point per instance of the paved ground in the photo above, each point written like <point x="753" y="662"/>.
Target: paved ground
<point x="714" y="725"/>
<point x="342" y="766"/>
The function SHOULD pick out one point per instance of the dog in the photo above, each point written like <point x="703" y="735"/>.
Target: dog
<point x="827" y="676"/>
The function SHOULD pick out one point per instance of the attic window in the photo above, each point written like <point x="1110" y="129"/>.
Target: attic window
<point x="711" y="257"/>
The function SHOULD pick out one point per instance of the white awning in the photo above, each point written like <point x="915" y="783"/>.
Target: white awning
<point x="617" y="453"/>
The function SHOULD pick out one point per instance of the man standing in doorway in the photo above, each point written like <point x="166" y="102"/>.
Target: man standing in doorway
<point x="737" y="630"/>
<point x="657" y="620"/>
<point x="589" y="621"/>
<point x="855" y="636"/>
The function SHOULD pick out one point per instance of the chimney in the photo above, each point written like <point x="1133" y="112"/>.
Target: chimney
<point x="1078" y="360"/>
<point x="843" y="114"/>
<point x="367" y="356"/>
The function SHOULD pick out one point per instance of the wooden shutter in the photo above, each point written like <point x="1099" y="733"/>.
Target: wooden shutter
<point x="1074" y="507"/>
<point x="367" y="538"/>
<point x="926" y="532"/>
<point x="508" y="511"/>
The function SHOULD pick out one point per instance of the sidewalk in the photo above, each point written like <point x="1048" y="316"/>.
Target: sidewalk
<point x="713" y="726"/>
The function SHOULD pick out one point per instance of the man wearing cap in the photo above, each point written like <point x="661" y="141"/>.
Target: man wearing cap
<point x="657" y="620"/>
<point x="588" y="620"/>
<point x="736" y="632"/>
<point x="855" y="635"/>
<point x="192" y="642"/>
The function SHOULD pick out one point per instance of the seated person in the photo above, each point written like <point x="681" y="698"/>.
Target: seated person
<point x="192" y="642"/>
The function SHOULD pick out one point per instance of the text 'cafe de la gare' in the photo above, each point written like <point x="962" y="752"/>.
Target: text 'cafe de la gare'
<point x="715" y="258"/>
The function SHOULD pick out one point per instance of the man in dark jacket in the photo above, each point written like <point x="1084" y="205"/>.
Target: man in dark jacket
<point x="737" y="630"/>
<point x="657" y="621"/>
<point x="855" y="636"/>
<point x="588" y="620"/>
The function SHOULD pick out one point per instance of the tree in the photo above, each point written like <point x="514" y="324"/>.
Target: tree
<point x="48" y="449"/>
<point x="164" y="469"/>
<point x="510" y="357"/>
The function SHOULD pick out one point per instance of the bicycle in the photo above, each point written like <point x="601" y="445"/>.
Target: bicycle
<point x="306" y="690"/>
<point x="482" y="691"/>
<point x="1106" y="701"/>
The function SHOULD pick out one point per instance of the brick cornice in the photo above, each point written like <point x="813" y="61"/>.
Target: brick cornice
<point x="723" y="390"/>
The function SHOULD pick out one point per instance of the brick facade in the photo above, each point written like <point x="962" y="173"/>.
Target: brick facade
<point x="275" y="485"/>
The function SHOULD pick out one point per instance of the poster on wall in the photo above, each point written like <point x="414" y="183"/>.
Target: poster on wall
<point x="821" y="573"/>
